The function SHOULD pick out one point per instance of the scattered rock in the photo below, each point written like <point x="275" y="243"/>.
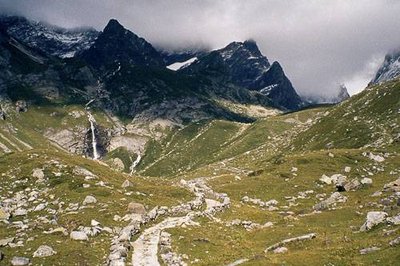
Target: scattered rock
<point x="376" y="158"/>
<point x="336" y="179"/>
<point x="326" y="179"/>
<point x="21" y="106"/>
<point x="366" y="181"/>
<point x="280" y="250"/>
<point x="126" y="184"/>
<point x="137" y="208"/>
<point x="89" y="200"/>
<point x="395" y="242"/>
<point x="354" y="184"/>
<point x="79" y="235"/>
<point x="4" y="215"/>
<point x="347" y="169"/>
<point x="393" y="186"/>
<point x="44" y="251"/>
<point x="117" y="164"/>
<point x="20" y="212"/>
<point x="4" y="242"/>
<point x="373" y="219"/>
<point x="395" y="220"/>
<point x="336" y="197"/>
<point x="369" y="250"/>
<point x="40" y="207"/>
<point x="19" y="261"/>
<point x="38" y="173"/>
<point x="83" y="172"/>
<point x="290" y="240"/>
<point x="57" y="230"/>
<point x="94" y="223"/>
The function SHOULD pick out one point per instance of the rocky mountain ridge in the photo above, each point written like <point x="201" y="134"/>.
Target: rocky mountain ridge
<point x="389" y="69"/>
<point x="49" y="39"/>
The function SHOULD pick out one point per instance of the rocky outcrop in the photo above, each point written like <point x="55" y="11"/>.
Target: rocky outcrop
<point x="390" y="68"/>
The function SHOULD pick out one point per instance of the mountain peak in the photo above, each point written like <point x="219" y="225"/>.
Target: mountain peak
<point x="113" y="25"/>
<point x="390" y="68"/>
<point x="116" y="44"/>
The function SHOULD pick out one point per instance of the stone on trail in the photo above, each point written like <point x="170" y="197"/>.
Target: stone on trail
<point x="280" y="250"/>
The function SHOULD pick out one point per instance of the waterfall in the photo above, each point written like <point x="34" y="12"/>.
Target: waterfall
<point x="94" y="141"/>
<point x="135" y="163"/>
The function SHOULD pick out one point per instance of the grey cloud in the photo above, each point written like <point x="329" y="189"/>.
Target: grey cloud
<point x="319" y="43"/>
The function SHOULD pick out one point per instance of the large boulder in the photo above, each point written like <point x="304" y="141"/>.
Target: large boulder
<point x="393" y="186"/>
<point x="373" y="219"/>
<point x="19" y="261"/>
<point x="336" y="197"/>
<point x="44" y="251"/>
<point x="78" y="235"/>
<point x="89" y="200"/>
<point x="137" y="208"/>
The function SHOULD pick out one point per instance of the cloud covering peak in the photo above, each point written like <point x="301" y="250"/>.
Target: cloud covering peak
<point x="320" y="44"/>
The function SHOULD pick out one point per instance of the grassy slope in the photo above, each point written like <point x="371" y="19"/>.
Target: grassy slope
<point x="269" y="149"/>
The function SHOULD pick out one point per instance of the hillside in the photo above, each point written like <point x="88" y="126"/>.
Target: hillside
<point x="253" y="184"/>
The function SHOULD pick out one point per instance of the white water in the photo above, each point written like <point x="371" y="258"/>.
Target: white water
<point x="135" y="163"/>
<point x="94" y="141"/>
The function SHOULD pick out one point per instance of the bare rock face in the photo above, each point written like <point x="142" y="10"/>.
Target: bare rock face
<point x="137" y="208"/>
<point x="71" y="140"/>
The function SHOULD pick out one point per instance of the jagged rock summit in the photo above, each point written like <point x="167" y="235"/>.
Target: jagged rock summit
<point x="242" y="64"/>
<point x="390" y="68"/>
<point x="119" y="45"/>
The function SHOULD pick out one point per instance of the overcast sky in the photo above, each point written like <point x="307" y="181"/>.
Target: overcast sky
<point x="320" y="44"/>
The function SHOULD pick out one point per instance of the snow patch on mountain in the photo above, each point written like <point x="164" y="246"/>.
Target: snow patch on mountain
<point x="180" y="65"/>
<point x="63" y="43"/>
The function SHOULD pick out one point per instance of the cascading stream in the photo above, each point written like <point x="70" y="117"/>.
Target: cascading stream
<point x="94" y="141"/>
